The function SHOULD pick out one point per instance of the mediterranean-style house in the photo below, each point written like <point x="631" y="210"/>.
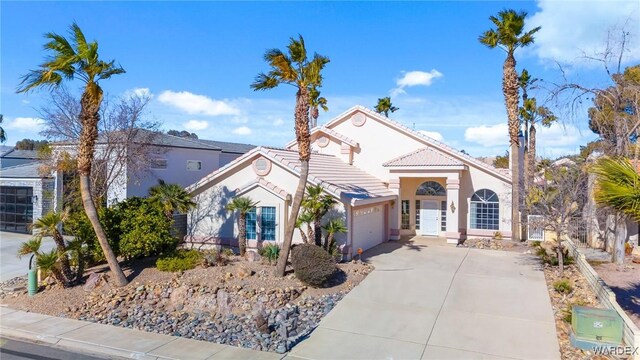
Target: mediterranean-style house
<point x="388" y="180"/>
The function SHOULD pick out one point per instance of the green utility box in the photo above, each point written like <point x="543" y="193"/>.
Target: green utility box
<point x="595" y="327"/>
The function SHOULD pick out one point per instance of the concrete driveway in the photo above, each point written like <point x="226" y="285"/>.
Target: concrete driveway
<point x="10" y="265"/>
<point x="429" y="300"/>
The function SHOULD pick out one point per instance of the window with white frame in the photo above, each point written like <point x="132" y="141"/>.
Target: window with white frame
<point x="194" y="165"/>
<point x="443" y="215"/>
<point x="250" y="224"/>
<point x="485" y="210"/>
<point x="266" y="217"/>
<point x="268" y="223"/>
<point x="417" y="214"/>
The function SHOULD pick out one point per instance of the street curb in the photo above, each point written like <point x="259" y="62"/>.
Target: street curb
<point x="103" y="350"/>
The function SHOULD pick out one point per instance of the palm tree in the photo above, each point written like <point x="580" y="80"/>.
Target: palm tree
<point x="317" y="203"/>
<point x="334" y="226"/>
<point x="171" y="198"/>
<point x="384" y="106"/>
<point x="242" y="205"/>
<point x="305" y="218"/>
<point x="316" y="101"/>
<point x="618" y="188"/>
<point x="30" y="247"/>
<point x="3" y="135"/>
<point x="304" y="74"/>
<point x="49" y="226"/>
<point x="508" y="35"/>
<point x="78" y="59"/>
<point x="49" y="263"/>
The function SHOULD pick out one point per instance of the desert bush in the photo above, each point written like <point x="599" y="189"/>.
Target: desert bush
<point x="536" y="244"/>
<point x="563" y="286"/>
<point x="270" y="252"/>
<point x="550" y="258"/>
<point x="145" y="229"/>
<point x="79" y="226"/>
<point x="497" y="235"/>
<point x="312" y="264"/>
<point x="219" y="257"/>
<point x="180" y="260"/>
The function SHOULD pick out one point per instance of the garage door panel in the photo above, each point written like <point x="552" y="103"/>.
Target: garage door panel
<point x="16" y="212"/>
<point x="368" y="227"/>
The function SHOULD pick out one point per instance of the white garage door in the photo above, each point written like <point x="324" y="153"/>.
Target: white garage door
<point x="368" y="227"/>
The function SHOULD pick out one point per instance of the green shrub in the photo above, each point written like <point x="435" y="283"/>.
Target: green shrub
<point x="312" y="264"/>
<point x="216" y="257"/>
<point x="536" y="244"/>
<point x="270" y="252"/>
<point x="181" y="260"/>
<point x="563" y="286"/>
<point x="145" y="229"/>
<point x="80" y="227"/>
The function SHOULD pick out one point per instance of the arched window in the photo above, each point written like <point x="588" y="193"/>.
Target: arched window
<point x="485" y="210"/>
<point x="431" y="188"/>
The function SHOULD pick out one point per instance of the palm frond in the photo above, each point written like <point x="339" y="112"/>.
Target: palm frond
<point x="297" y="50"/>
<point x="264" y="82"/>
<point x="30" y="247"/>
<point x="618" y="186"/>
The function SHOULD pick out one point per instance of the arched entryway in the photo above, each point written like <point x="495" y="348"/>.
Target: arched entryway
<point x="430" y="205"/>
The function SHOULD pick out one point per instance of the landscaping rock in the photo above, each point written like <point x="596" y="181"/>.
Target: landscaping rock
<point x="244" y="272"/>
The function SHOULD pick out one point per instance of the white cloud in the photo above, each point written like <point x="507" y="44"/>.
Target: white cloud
<point x="197" y="104"/>
<point x="432" y="134"/>
<point x="24" y="124"/>
<point x="242" y="130"/>
<point x="415" y="78"/>
<point x="26" y="102"/>
<point x="196" y="125"/>
<point x="488" y="136"/>
<point x="278" y="122"/>
<point x="571" y="29"/>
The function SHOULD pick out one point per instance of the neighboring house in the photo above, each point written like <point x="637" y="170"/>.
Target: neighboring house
<point x="13" y="157"/>
<point x="24" y="196"/>
<point x="172" y="159"/>
<point x="389" y="181"/>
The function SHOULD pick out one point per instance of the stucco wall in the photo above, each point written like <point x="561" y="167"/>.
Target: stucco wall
<point x="176" y="171"/>
<point x="211" y="222"/>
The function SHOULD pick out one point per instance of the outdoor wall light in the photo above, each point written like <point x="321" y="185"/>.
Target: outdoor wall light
<point x="34" y="199"/>
<point x="453" y="207"/>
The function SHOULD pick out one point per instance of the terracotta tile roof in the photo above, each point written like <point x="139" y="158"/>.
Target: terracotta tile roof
<point x="338" y="178"/>
<point x="329" y="132"/>
<point x="424" y="157"/>
<point x="264" y="183"/>
<point x="343" y="181"/>
<point x="416" y="134"/>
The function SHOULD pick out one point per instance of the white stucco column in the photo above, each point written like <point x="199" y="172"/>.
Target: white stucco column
<point x="394" y="211"/>
<point x="453" y="207"/>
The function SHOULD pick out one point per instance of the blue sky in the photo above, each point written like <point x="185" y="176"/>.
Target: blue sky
<point x="197" y="60"/>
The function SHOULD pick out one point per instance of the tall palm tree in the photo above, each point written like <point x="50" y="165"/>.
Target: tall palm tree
<point x="317" y="203"/>
<point x="509" y="35"/>
<point x="3" y="135"/>
<point x="304" y="74"/>
<point x="79" y="59"/>
<point x="171" y="198"/>
<point x="49" y="226"/>
<point x="316" y="101"/>
<point x="618" y="187"/>
<point x="384" y="106"/>
<point x="242" y="205"/>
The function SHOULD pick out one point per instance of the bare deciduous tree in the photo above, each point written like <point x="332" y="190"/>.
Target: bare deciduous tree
<point x="125" y="146"/>
<point x="559" y="201"/>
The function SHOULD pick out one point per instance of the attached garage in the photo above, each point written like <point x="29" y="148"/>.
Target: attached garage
<point x="25" y="196"/>
<point x="368" y="228"/>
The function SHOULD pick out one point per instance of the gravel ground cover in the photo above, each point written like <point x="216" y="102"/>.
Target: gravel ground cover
<point x="240" y="304"/>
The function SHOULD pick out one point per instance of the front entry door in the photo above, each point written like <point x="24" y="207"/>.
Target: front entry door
<point x="429" y="216"/>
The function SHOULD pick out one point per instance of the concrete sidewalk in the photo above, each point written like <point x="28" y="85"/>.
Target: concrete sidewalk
<point x="427" y="301"/>
<point x="113" y="341"/>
